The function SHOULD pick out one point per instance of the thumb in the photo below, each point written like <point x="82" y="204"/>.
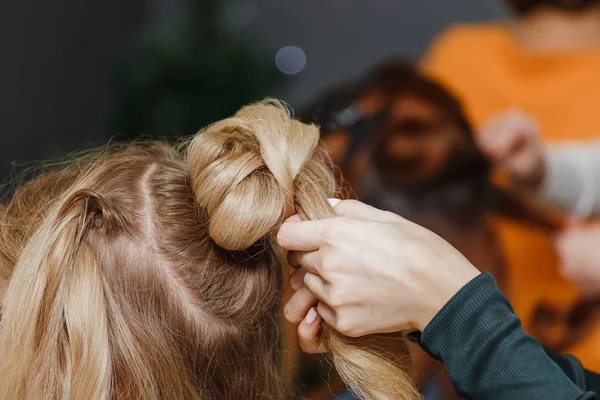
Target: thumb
<point x="356" y="209"/>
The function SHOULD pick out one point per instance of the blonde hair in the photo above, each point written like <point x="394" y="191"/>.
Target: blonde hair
<point x="150" y="271"/>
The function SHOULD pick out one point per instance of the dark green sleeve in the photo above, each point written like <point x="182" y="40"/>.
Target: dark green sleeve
<point x="488" y="355"/>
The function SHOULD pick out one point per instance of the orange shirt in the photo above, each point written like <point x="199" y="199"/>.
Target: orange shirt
<point x="488" y="70"/>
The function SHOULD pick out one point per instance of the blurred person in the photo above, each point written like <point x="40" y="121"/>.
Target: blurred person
<point x="544" y="62"/>
<point x="402" y="143"/>
<point x="151" y="271"/>
<point x="565" y="175"/>
<point x="393" y="136"/>
<point x="580" y="257"/>
<point x="399" y="138"/>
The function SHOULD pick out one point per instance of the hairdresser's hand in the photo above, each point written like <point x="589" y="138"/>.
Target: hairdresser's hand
<point x="511" y="140"/>
<point x="371" y="271"/>
<point x="580" y="256"/>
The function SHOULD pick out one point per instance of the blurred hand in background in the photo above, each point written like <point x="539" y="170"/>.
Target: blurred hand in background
<point x="579" y="251"/>
<point x="511" y="140"/>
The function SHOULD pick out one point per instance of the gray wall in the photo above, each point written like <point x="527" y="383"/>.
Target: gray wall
<point x="55" y="71"/>
<point x="57" y="56"/>
<point x="343" y="37"/>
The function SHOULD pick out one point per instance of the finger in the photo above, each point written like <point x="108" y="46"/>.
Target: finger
<point x="316" y="285"/>
<point x="359" y="210"/>
<point x="308" y="260"/>
<point x="506" y="136"/>
<point x="309" y="333"/>
<point x="509" y="141"/>
<point x="528" y="124"/>
<point x="327" y="314"/>
<point x="301" y="235"/>
<point x="491" y="137"/>
<point x="296" y="308"/>
<point x="489" y="148"/>
<point x="297" y="279"/>
<point x="294" y="218"/>
<point x="518" y="143"/>
<point x="490" y="140"/>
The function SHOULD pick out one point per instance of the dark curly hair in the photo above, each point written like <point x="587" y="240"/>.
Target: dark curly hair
<point x="526" y="6"/>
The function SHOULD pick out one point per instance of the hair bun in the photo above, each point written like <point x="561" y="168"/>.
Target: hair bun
<point x="244" y="172"/>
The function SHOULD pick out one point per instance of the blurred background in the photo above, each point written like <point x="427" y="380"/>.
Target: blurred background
<point x="76" y="73"/>
<point x="403" y="92"/>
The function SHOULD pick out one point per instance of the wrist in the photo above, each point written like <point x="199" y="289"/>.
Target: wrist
<point x="478" y="301"/>
<point x="443" y="296"/>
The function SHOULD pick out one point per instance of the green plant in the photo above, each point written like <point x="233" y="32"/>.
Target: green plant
<point x="191" y="72"/>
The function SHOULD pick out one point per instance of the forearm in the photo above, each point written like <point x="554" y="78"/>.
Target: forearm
<point x="488" y="355"/>
<point x="572" y="178"/>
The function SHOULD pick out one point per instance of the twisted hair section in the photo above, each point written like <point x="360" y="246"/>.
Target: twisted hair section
<point x="249" y="173"/>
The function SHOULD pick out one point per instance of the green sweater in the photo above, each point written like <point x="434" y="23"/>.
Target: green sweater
<point x="488" y="355"/>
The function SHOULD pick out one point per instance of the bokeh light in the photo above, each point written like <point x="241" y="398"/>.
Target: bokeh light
<point x="290" y="60"/>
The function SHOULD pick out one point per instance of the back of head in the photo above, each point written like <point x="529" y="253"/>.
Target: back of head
<point x="150" y="272"/>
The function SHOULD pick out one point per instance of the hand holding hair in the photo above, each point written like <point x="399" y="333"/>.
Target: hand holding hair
<point x="511" y="140"/>
<point x="368" y="271"/>
<point x="579" y="254"/>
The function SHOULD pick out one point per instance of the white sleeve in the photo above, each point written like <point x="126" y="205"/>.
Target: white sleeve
<point x="572" y="177"/>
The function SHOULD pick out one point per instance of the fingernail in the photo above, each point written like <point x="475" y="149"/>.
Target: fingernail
<point x="333" y="202"/>
<point x="311" y="316"/>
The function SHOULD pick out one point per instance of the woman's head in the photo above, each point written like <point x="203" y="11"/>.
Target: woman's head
<point x="425" y="138"/>
<point x="527" y="6"/>
<point x="417" y="128"/>
<point x="409" y="147"/>
<point x="149" y="271"/>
